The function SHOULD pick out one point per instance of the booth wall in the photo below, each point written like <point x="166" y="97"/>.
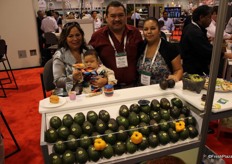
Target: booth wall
<point x="18" y="29"/>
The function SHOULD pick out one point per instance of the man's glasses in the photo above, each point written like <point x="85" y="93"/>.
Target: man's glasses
<point x="71" y="24"/>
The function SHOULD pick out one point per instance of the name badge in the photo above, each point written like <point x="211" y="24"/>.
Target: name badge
<point x="121" y="60"/>
<point x="145" y="78"/>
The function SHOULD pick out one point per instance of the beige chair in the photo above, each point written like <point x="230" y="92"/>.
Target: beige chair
<point x="7" y="69"/>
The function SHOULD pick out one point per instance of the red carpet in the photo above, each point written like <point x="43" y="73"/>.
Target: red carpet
<point x="20" y="108"/>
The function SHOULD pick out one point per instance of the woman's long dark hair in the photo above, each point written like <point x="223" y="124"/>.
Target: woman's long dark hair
<point x="65" y="32"/>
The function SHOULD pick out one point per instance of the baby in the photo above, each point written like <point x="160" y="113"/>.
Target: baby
<point x="94" y="70"/>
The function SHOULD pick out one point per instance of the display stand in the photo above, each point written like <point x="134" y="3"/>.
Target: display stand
<point x="11" y="134"/>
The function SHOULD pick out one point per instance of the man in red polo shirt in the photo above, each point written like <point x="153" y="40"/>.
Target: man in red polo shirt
<point x="117" y="45"/>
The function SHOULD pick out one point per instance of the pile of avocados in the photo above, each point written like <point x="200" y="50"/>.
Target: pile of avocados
<point x="72" y="137"/>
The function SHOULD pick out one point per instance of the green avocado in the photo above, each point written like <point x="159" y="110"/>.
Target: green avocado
<point x="121" y="134"/>
<point x="68" y="157"/>
<point x="59" y="147"/>
<point x="112" y="124"/>
<point x="133" y="119"/>
<point x="55" y="122"/>
<point x="100" y="126"/>
<point x="85" y="141"/>
<point x="177" y="102"/>
<point x="154" y="126"/>
<point x="79" y="118"/>
<point x="174" y="136"/>
<point x="55" y="159"/>
<point x="163" y="137"/>
<point x="175" y="112"/>
<point x="67" y="120"/>
<point x="76" y="130"/>
<point x="72" y="142"/>
<point x="108" y="152"/>
<point x="155" y="105"/>
<point x="81" y="155"/>
<point x="51" y="135"/>
<point x="144" y="117"/>
<point x="131" y="147"/>
<point x="135" y="108"/>
<point x="104" y="115"/>
<point x="144" y="128"/>
<point x="119" y="148"/>
<point x="122" y="121"/>
<point x="165" y="103"/>
<point x="155" y="115"/>
<point x="184" y="134"/>
<point x="87" y="127"/>
<point x="164" y="126"/>
<point x="110" y="137"/>
<point x="144" y="144"/>
<point x="124" y="111"/>
<point x="153" y="140"/>
<point x="94" y="155"/>
<point x="63" y="132"/>
<point x="193" y="132"/>
<point x="92" y="117"/>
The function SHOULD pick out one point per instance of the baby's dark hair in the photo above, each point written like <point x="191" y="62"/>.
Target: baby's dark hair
<point x="91" y="52"/>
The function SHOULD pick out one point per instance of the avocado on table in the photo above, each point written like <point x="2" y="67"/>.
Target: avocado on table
<point x="55" y="158"/>
<point x="76" y="130"/>
<point x="67" y="120"/>
<point x="100" y="126"/>
<point x="184" y="134"/>
<point x="93" y="154"/>
<point x="124" y="111"/>
<point x="79" y="118"/>
<point x="133" y="119"/>
<point x="193" y="132"/>
<point x="177" y="102"/>
<point x="121" y="134"/>
<point x="174" y="136"/>
<point x="122" y="121"/>
<point x="72" y="142"/>
<point x="165" y="103"/>
<point x="144" y="144"/>
<point x="81" y="155"/>
<point x="108" y="152"/>
<point x="112" y="124"/>
<point x="85" y="141"/>
<point x="92" y="117"/>
<point x="155" y="105"/>
<point x="110" y="137"/>
<point x="87" y="127"/>
<point x="154" y="126"/>
<point x="135" y="108"/>
<point x="51" y="135"/>
<point x="175" y="112"/>
<point x="144" y="128"/>
<point x="119" y="148"/>
<point x="68" y="157"/>
<point x="55" y="122"/>
<point x="63" y="132"/>
<point x="131" y="147"/>
<point x="59" y="147"/>
<point x="144" y="117"/>
<point x="153" y="140"/>
<point x="155" y="115"/>
<point x="185" y="110"/>
<point x="164" y="126"/>
<point x="104" y="115"/>
<point x="163" y="137"/>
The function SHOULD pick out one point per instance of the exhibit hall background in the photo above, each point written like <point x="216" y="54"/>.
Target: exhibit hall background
<point x="18" y="26"/>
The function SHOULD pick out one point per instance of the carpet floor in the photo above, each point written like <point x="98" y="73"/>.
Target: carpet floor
<point x="20" y="109"/>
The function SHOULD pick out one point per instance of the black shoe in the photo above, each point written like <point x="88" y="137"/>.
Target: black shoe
<point x="210" y="131"/>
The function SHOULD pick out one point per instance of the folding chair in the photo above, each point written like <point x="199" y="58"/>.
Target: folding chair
<point x="11" y="134"/>
<point x="47" y="78"/>
<point x="10" y="76"/>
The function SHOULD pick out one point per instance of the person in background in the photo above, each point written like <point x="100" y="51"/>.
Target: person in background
<point x="168" y="22"/>
<point x="162" y="31"/>
<point x="160" y="59"/>
<point x="39" y="18"/>
<point x="97" y="22"/>
<point x="212" y="27"/>
<point x="229" y="26"/>
<point x="71" y="15"/>
<point x="136" y="16"/>
<point x="196" y="50"/>
<point x="49" y="23"/>
<point x="117" y="45"/>
<point x="96" y="70"/>
<point x="58" y="19"/>
<point x="70" y="51"/>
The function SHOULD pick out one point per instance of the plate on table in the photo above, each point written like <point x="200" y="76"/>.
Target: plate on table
<point x="46" y="102"/>
<point x="221" y="85"/>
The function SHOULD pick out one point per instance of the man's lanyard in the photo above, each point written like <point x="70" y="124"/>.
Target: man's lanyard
<point x="112" y="43"/>
<point x="156" y="52"/>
